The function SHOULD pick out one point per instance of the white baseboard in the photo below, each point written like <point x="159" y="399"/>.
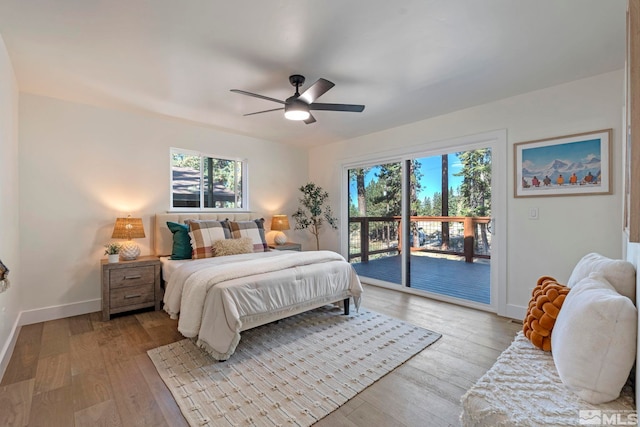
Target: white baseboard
<point x="516" y="311"/>
<point x="27" y="317"/>
<point x="7" y="350"/>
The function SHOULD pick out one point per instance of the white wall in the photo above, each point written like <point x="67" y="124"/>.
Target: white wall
<point x="568" y="227"/>
<point x="82" y="166"/>
<point x="10" y="301"/>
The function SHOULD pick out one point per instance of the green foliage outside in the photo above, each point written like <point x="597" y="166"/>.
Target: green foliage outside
<point x="475" y="191"/>
<point x="382" y="197"/>
<point x="217" y="173"/>
<point x="185" y="161"/>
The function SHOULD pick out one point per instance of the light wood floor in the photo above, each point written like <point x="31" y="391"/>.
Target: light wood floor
<point x="80" y="371"/>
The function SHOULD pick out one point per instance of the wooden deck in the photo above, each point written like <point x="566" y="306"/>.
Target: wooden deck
<point x="458" y="279"/>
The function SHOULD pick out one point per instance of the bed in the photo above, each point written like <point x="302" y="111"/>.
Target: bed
<point x="216" y="298"/>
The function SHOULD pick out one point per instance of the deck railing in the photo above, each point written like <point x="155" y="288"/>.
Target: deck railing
<point x="465" y="236"/>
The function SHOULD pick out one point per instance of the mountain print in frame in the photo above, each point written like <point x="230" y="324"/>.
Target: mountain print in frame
<point x="570" y="165"/>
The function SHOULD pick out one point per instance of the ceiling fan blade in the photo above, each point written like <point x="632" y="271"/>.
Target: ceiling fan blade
<point x="255" y="95"/>
<point x="316" y="90"/>
<point x="337" y="107"/>
<point x="265" y="111"/>
<point x="310" y="120"/>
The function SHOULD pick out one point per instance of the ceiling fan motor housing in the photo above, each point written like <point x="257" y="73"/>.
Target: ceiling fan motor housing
<point x="296" y="80"/>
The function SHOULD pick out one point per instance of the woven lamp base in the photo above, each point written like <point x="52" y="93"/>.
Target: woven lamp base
<point x="280" y="238"/>
<point x="129" y="251"/>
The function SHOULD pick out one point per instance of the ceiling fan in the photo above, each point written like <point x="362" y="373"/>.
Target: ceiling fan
<point x="298" y="106"/>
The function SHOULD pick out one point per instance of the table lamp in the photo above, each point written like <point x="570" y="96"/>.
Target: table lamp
<point x="128" y="228"/>
<point x="279" y="223"/>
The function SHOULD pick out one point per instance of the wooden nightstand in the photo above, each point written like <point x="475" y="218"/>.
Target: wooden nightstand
<point x="130" y="285"/>
<point x="289" y="246"/>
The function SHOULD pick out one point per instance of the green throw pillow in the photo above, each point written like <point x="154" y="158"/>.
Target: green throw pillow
<point x="181" y="241"/>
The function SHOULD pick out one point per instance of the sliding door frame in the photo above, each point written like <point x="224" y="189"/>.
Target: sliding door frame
<point x="497" y="141"/>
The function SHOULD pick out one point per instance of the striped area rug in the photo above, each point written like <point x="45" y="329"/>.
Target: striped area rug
<point x="290" y="373"/>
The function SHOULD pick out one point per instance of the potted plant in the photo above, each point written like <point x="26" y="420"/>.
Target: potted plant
<point x="314" y="211"/>
<point x="112" y="250"/>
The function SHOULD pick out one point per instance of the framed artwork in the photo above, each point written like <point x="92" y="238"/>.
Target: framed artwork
<point x="570" y="165"/>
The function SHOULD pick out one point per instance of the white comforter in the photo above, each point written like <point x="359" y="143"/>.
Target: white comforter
<point x="214" y="296"/>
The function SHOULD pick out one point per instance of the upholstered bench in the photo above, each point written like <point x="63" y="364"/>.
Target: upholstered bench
<point x="585" y="377"/>
<point x="523" y="388"/>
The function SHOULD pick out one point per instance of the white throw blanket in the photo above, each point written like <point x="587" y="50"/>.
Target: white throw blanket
<point x="190" y="284"/>
<point x="173" y="292"/>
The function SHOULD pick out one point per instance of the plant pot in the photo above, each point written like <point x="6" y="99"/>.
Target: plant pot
<point x="114" y="258"/>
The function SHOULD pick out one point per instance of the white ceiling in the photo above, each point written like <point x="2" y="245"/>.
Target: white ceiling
<point x="405" y="60"/>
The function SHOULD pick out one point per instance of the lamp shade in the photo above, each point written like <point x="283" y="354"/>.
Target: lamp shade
<point x="128" y="228"/>
<point x="279" y="223"/>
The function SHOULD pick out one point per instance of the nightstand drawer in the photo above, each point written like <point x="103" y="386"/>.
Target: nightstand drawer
<point x="289" y="246"/>
<point x="132" y="295"/>
<point x="130" y="285"/>
<point x="131" y="277"/>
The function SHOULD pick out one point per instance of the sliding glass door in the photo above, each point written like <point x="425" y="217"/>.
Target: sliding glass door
<point x="424" y="222"/>
<point x="450" y="233"/>
<point x="375" y="207"/>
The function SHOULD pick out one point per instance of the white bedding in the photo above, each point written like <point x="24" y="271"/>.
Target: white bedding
<point x="218" y="297"/>
<point x="170" y="265"/>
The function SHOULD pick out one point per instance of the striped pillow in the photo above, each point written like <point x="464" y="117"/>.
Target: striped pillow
<point x="253" y="229"/>
<point x="203" y="233"/>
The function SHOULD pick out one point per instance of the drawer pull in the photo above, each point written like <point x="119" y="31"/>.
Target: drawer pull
<point x="132" y="296"/>
<point x="138" y="276"/>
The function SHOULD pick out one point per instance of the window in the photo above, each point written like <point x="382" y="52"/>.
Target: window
<point x="201" y="182"/>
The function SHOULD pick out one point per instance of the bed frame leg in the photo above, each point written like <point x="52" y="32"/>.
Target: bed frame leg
<point x="346" y="306"/>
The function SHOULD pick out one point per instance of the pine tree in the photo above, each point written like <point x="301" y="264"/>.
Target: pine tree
<point x="475" y="189"/>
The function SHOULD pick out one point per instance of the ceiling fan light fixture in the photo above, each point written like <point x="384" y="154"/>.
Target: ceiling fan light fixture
<point x="296" y="115"/>
<point x="296" y="110"/>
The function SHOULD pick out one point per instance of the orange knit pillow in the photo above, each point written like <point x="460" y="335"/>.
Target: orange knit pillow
<point x="546" y="301"/>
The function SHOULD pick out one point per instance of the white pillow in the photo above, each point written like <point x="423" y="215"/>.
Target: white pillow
<point x="619" y="273"/>
<point x="593" y="341"/>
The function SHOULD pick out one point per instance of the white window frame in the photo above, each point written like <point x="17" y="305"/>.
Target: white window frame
<point x="245" y="182"/>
